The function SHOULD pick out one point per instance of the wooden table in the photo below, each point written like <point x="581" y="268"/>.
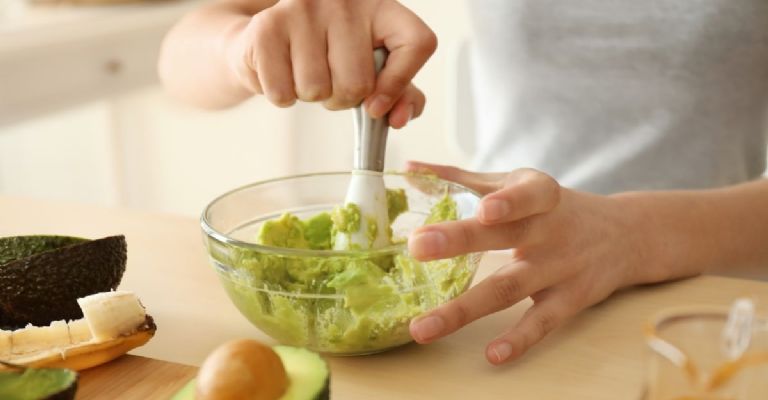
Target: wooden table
<point x="598" y="355"/>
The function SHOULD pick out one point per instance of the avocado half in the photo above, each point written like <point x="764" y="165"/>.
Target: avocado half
<point x="308" y="376"/>
<point x="38" y="383"/>
<point x="43" y="276"/>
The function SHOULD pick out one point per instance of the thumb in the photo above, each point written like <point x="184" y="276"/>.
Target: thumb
<point x="410" y="43"/>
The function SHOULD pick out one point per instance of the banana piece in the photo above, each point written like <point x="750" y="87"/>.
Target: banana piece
<point x="28" y="339"/>
<point x="89" y="354"/>
<point x="59" y="334"/>
<point x="32" y="338"/>
<point x="111" y="314"/>
<point x="79" y="331"/>
<point x="113" y="324"/>
<point x="5" y="344"/>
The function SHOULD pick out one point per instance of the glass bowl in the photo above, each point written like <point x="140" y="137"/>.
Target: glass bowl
<point x="337" y="302"/>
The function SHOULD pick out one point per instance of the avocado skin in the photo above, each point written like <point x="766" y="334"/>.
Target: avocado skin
<point x="66" y="394"/>
<point x="325" y="394"/>
<point x="15" y="247"/>
<point x="44" y="287"/>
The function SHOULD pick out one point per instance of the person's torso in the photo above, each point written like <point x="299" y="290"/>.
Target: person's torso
<point x="609" y="96"/>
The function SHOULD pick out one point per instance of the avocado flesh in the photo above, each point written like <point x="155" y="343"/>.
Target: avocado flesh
<point x="36" y="384"/>
<point x="47" y="274"/>
<point x="187" y="392"/>
<point x="308" y="376"/>
<point x="375" y="295"/>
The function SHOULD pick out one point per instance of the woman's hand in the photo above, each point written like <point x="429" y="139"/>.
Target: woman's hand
<point x="322" y="50"/>
<point x="571" y="250"/>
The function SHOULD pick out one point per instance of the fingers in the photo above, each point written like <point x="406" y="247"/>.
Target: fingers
<point x="350" y="58"/>
<point x="311" y="74"/>
<point x="272" y="59"/>
<point x="410" y="43"/>
<point x="309" y="51"/>
<point x="409" y="106"/>
<point x="541" y="319"/>
<point x="482" y="183"/>
<point x="448" y="239"/>
<point x="506" y="218"/>
<point x="526" y="192"/>
<point x="508" y="197"/>
<point x="506" y="287"/>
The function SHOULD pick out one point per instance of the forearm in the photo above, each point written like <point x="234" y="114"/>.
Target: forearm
<point x="192" y="64"/>
<point x="688" y="232"/>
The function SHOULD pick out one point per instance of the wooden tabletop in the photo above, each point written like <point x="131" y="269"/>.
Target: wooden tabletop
<point x="134" y="378"/>
<point x="598" y="355"/>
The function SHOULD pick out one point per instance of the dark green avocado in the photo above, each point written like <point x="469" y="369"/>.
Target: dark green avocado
<point x="309" y="377"/>
<point x="41" y="277"/>
<point x="21" y="383"/>
<point x="17" y="247"/>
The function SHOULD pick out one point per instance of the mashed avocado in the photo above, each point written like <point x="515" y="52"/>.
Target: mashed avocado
<point x="346" y="218"/>
<point x="443" y="210"/>
<point x="355" y="303"/>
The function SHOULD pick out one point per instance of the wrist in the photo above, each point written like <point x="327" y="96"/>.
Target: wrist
<point x="667" y="235"/>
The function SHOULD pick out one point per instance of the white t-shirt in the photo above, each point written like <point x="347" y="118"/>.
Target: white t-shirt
<point x="608" y="96"/>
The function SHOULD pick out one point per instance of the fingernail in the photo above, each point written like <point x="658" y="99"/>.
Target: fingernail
<point x="379" y="105"/>
<point x="427" y="328"/>
<point x="494" y="210"/>
<point x="430" y="243"/>
<point x="410" y="113"/>
<point x="501" y="351"/>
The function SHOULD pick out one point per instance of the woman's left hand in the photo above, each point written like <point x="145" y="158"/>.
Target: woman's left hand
<point x="570" y="250"/>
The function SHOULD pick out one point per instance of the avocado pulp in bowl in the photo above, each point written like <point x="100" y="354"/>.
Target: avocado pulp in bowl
<point x="271" y="245"/>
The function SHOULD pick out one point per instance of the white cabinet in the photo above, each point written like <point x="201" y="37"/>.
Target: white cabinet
<point x="82" y="118"/>
<point x="54" y="57"/>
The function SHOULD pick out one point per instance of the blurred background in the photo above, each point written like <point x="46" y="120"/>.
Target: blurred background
<point x="83" y="118"/>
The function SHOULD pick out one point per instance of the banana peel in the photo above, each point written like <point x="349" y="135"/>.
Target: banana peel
<point x="113" y="324"/>
<point x="87" y="355"/>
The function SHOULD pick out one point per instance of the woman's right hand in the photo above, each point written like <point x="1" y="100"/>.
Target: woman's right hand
<point x="322" y="50"/>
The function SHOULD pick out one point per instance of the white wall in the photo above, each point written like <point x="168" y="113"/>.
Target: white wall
<point x="142" y="150"/>
<point x="64" y="155"/>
